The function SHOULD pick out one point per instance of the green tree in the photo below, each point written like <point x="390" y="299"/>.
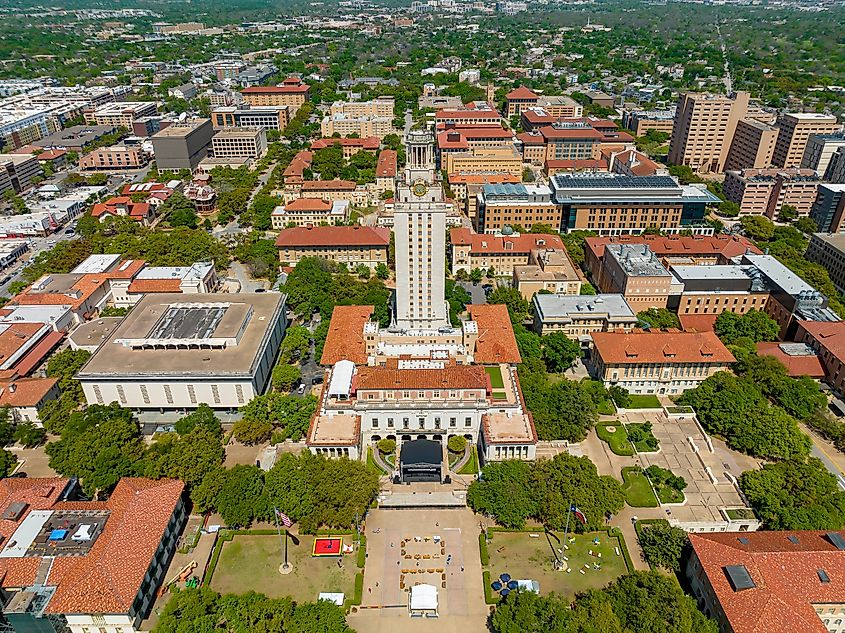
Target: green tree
<point x="387" y="446"/>
<point x="285" y="377"/>
<point x="476" y="275"/>
<point x="363" y="271"/>
<point x="251" y="431"/>
<point x="587" y="289"/>
<point x="505" y="492"/>
<point x="562" y="410"/>
<point x="29" y="435"/>
<point x="664" y="545"/>
<point x="528" y="342"/>
<point x="559" y="351"/>
<point x="240" y="500"/>
<point x="296" y="344"/>
<point x="659" y="318"/>
<point x="620" y="396"/>
<point x="7" y="462"/>
<point x="757" y="227"/>
<point x="202" y="416"/>
<point x="807" y="225"/>
<point x="457" y="444"/>
<point x="518" y="306"/>
<point x="795" y="495"/>
<point x="382" y="271"/>
<point x="99" y="445"/>
<point x="568" y="479"/>
<point x="754" y="324"/>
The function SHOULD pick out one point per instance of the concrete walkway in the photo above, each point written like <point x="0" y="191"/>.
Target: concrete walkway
<point x="832" y="458"/>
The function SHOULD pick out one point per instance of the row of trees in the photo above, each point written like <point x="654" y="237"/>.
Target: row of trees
<point x="310" y="489"/>
<point x="513" y="491"/>
<point x="285" y="415"/>
<point x="645" y="602"/>
<point x="202" y="610"/>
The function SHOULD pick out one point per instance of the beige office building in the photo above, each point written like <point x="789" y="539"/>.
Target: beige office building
<point x="795" y="131"/>
<point x="766" y="191"/>
<point x="174" y="352"/>
<point x="635" y="272"/>
<point x="704" y="129"/>
<point x="363" y="126"/>
<point x="239" y="142"/>
<point x="486" y="160"/>
<point x="381" y="107"/>
<point x="753" y="145"/>
<point x="114" y="157"/>
<point x="120" y="113"/>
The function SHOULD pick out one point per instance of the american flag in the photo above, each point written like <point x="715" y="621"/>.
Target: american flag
<point x="285" y="519"/>
<point x="578" y="514"/>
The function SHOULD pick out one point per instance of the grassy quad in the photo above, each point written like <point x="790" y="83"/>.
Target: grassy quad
<point x="496" y="380"/>
<point x="251" y="563"/>
<point x="644" y="401"/>
<point x="523" y="557"/>
<point x="638" y="493"/>
<point x="614" y="434"/>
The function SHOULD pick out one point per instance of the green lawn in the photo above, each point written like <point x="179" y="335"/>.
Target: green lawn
<point x="471" y="467"/>
<point x="372" y="464"/>
<point x="499" y="395"/>
<point x="523" y="557"/>
<point x="637" y="491"/>
<point x="251" y="563"/>
<point x="644" y="401"/>
<point x="670" y="495"/>
<point x="495" y="374"/>
<point x="605" y="407"/>
<point x="618" y="439"/>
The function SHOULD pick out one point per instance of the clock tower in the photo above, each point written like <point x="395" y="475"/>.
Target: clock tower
<point x="419" y="227"/>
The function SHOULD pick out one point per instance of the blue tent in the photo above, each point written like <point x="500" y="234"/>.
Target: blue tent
<point x="496" y="585"/>
<point x="505" y="578"/>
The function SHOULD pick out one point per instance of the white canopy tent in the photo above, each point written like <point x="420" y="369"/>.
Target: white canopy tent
<point x="423" y="601"/>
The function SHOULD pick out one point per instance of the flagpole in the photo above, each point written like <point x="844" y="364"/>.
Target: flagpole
<point x="566" y="530"/>
<point x="285" y="568"/>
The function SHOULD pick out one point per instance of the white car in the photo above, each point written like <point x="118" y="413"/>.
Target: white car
<point x="301" y="389"/>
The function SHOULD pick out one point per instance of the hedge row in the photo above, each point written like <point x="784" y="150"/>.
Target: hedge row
<point x="362" y="552"/>
<point x="482" y="547"/>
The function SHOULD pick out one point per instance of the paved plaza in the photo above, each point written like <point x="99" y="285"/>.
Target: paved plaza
<point x="398" y="542"/>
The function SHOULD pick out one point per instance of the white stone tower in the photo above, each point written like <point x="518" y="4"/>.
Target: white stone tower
<point x="419" y="226"/>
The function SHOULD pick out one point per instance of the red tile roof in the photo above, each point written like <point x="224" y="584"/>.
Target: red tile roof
<point x="333" y="236"/>
<point x="698" y="322"/>
<point x="108" y="578"/>
<point x="299" y="164"/>
<point x="308" y="204"/>
<point x="112" y="206"/>
<point x="26" y="392"/>
<point x="145" y="286"/>
<point x="638" y="163"/>
<point x="496" y="341"/>
<point x="38" y="352"/>
<point x="287" y="88"/>
<point x="636" y="348"/>
<point x="467" y="114"/>
<point x="450" y="377"/>
<point x="387" y="164"/>
<point x="588" y="133"/>
<point x="785" y="575"/>
<point x="345" y="338"/>
<point x="483" y="179"/>
<point x="727" y="246"/>
<point x="797" y="366"/>
<point x="530" y="138"/>
<point x="484" y="243"/>
<point x="369" y="143"/>
<point x="521" y="93"/>
<point x="328" y="185"/>
<point x="15" y="336"/>
<point x="829" y="335"/>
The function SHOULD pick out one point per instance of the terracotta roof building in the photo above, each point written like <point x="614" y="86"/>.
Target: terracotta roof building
<point x="292" y="93"/>
<point x="761" y="582"/>
<point x="349" y="245"/>
<point x="501" y="252"/>
<point x="828" y="340"/>
<point x="86" y="562"/>
<point x="349" y="146"/>
<point x="122" y="206"/>
<point x="26" y="396"/>
<point x="345" y="338"/>
<point x="496" y="341"/>
<point x="658" y="362"/>
<point x="315" y="211"/>
<point x="519" y="99"/>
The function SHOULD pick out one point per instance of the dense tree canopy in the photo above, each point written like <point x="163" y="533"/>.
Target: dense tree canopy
<point x="202" y="610"/>
<point x="642" y="602"/>
<point x="563" y="409"/>
<point x="795" y="495"/>
<point x="755" y="325"/>
<point x="734" y="408"/>
<point x="659" y="318"/>
<point x="514" y="491"/>
<point x="663" y="545"/>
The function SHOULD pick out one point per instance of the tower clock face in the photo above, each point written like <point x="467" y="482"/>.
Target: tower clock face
<point x="419" y="188"/>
